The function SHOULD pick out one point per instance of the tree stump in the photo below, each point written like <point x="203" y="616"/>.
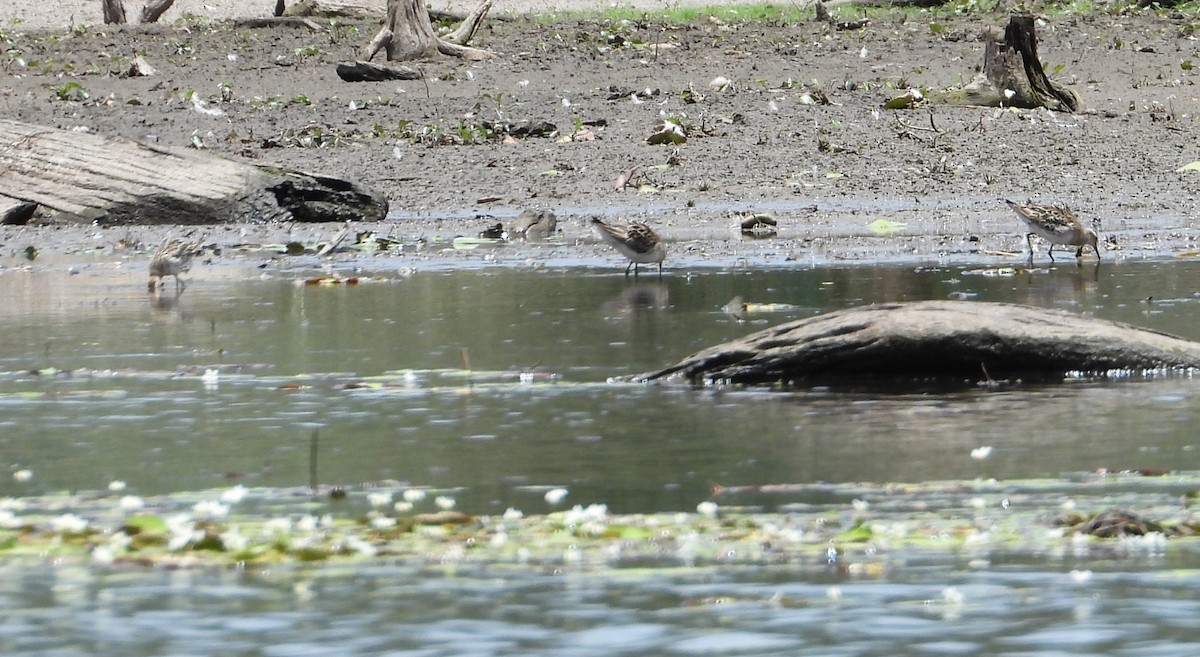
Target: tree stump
<point x="407" y="34"/>
<point x="85" y="178"/>
<point x="1013" y="75"/>
<point x="934" y="341"/>
<point x="1034" y="88"/>
<point x="114" y="11"/>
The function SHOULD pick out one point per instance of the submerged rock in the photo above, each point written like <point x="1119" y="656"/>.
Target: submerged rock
<point x="950" y="341"/>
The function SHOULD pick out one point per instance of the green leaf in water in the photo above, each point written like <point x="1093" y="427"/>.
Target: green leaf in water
<point x="628" y="533"/>
<point x="145" y="524"/>
<point x="885" y="227"/>
<point x="210" y="542"/>
<point x="468" y="243"/>
<point x="859" y="533"/>
<point x="309" y="554"/>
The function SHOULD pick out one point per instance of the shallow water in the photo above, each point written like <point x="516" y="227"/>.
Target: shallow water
<point x="417" y="378"/>
<point x="119" y="394"/>
<point x="913" y="609"/>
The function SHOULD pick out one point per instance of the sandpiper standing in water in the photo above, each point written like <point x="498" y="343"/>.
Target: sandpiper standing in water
<point x="1056" y="225"/>
<point x="636" y="241"/>
<point x="172" y="258"/>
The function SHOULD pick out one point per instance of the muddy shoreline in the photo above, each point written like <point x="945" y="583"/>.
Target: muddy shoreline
<point x="798" y="125"/>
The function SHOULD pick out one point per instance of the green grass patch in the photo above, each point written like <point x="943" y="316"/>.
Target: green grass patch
<point x="792" y="13"/>
<point x="748" y="13"/>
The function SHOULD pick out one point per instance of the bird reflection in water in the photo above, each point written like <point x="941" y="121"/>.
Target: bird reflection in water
<point x="640" y="298"/>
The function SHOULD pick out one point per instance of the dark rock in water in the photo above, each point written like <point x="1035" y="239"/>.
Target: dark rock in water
<point x="947" y="341"/>
<point x="494" y="232"/>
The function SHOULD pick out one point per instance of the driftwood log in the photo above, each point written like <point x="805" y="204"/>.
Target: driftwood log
<point x="1013" y="75"/>
<point x="16" y="213"/>
<point x="945" y="341"/>
<point x="85" y="178"/>
<point x="368" y="72"/>
<point x="335" y="8"/>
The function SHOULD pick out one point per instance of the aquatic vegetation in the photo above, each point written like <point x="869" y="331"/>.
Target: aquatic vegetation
<point x="555" y="496"/>
<point x="857" y="530"/>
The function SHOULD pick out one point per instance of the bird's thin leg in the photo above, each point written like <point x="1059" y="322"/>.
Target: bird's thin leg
<point x="1097" y="250"/>
<point x="1050" y="252"/>
<point x="1029" y="243"/>
<point x="1079" y="253"/>
<point x="628" y="267"/>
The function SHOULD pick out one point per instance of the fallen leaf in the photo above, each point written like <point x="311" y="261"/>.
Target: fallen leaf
<point x="910" y="99"/>
<point x="885" y="227"/>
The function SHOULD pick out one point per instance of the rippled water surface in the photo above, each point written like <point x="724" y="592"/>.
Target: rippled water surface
<point x="492" y="385"/>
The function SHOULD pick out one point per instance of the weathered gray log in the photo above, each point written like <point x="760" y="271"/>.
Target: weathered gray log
<point x="957" y="341"/>
<point x="336" y="8"/>
<point x="467" y="28"/>
<point x="85" y="178"/>
<point x="361" y="71"/>
<point x="154" y="10"/>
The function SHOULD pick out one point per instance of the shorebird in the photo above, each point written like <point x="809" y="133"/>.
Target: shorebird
<point x="535" y="226"/>
<point x="172" y="258"/>
<point x="1056" y="225"/>
<point x="635" y="241"/>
